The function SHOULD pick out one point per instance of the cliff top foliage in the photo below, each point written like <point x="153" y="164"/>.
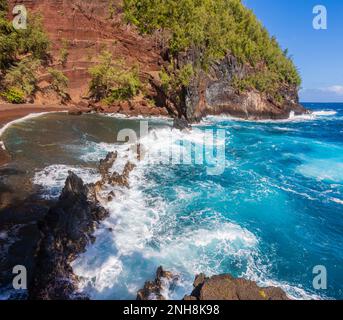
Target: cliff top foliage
<point x="215" y="28"/>
<point x="15" y="43"/>
<point x="21" y="54"/>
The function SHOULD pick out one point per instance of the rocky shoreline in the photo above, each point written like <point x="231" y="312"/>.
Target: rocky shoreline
<point x="209" y="93"/>
<point x="219" y="287"/>
<point x="47" y="237"/>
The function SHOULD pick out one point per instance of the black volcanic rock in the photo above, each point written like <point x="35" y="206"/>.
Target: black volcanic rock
<point x="66" y="231"/>
<point x="213" y="93"/>
<point x="225" y="287"/>
<point x="153" y="290"/>
<point x="181" y="124"/>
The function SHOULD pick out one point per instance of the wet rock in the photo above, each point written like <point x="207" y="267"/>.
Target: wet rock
<point x="66" y="230"/>
<point x="122" y="179"/>
<point x="181" y="124"/>
<point x="225" y="287"/>
<point x="75" y="112"/>
<point x="155" y="290"/>
<point x="213" y="93"/>
<point x="107" y="164"/>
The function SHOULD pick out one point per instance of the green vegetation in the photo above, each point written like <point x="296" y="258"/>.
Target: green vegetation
<point x="22" y="75"/>
<point x="111" y="9"/>
<point x="64" y="53"/>
<point x="209" y="29"/>
<point x="22" y="52"/>
<point x="173" y="78"/>
<point x="34" y="40"/>
<point x="113" y="81"/>
<point x="3" y="6"/>
<point x="17" y="43"/>
<point x="59" y="83"/>
<point x="14" y="95"/>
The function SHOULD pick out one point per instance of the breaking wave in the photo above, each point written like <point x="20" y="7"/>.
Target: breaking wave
<point x="269" y="217"/>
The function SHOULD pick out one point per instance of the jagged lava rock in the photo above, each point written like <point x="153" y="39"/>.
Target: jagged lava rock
<point x="225" y="287"/>
<point x="153" y="290"/>
<point x="181" y="124"/>
<point x="66" y="230"/>
<point x="213" y="93"/>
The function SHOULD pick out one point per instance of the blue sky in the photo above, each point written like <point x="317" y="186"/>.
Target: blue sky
<point x="318" y="54"/>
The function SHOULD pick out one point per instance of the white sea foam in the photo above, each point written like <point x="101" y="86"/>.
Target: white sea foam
<point x="3" y="235"/>
<point x="52" y="178"/>
<point x="325" y="113"/>
<point x="336" y="200"/>
<point x="93" y="151"/>
<point x="146" y="227"/>
<point x="285" y="129"/>
<point x="140" y="117"/>
<point x="143" y="232"/>
<point x="315" y="115"/>
<point x="23" y="119"/>
<point x="323" y="169"/>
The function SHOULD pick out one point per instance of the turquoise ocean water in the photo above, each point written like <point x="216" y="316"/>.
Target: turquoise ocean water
<point x="272" y="215"/>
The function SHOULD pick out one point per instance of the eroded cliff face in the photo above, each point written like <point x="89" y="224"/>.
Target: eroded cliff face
<point x="92" y="26"/>
<point x="89" y="28"/>
<point x="213" y="93"/>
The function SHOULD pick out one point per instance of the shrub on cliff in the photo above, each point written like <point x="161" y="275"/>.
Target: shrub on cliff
<point x="113" y="81"/>
<point x="64" y="53"/>
<point x="3" y="6"/>
<point x="14" y="95"/>
<point x="34" y="40"/>
<point x="8" y="40"/>
<point x="212" y="28"/>
<point x="22" y="75"/>
<point x="21" y="53"/>
<point x="59" y="83"/>
<point x="16" y="43"/>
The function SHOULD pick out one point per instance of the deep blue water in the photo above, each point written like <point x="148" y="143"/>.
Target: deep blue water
<point x="283" y="183"/>
<point x="274" y="214"/>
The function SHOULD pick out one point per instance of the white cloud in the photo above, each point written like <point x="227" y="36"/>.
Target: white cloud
<point x="335" y="89"/>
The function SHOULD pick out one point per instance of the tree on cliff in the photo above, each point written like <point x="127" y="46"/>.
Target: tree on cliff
<point x="21" y="52"/>
<point x="112" y="80"/>
<point x="210" y="29"/>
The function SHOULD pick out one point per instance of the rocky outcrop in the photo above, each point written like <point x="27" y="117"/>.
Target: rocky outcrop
<point x="181" y="124"/>
<point x="225" y="287"/>
<point x="19" y="239"/>
<point x="66" y="231"/>
<point x="221" y="287"/>
<point x="46" y="236"/>
<point x="106" y="164"/>
<point x="88" y="27"/>
<point x="213" y="93"/>
<point x="156" y="290"/>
